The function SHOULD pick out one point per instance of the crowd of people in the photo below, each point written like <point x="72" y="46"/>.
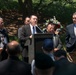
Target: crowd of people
<point x="52" y="60"/>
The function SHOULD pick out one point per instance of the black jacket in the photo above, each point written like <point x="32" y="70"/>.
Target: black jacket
<point x="13" y="66"/>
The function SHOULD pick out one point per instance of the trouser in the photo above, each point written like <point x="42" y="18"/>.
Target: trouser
<point x="4" y="54"/>
<point x="73" y="56"/>
<point x="25" y="54"/>
<point x="73" y="53"/>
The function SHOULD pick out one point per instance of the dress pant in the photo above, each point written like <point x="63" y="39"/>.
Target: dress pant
<point x="73" y="54"/>
<point x="25" y="54"/>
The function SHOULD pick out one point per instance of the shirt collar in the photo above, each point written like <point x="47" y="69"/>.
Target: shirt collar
<point x="32" y="25"/>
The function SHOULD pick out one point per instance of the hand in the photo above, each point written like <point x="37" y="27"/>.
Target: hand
<point x="55" y="49"/>
<point x="57" y="32"/>
<point x="2" y="38"/>
<point x="1" y="50"/>
<point x="30" y="36"/>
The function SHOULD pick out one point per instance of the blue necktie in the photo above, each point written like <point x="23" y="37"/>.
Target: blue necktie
<point x="74" y="25"/>
<point x="33" y="30"/>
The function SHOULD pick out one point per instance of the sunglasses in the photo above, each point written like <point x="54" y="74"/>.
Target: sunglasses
<point x="28" y="21"/>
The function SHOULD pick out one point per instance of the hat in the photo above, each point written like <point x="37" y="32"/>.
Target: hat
<point x="43" y="61"/>
<point x="48" y="44"/>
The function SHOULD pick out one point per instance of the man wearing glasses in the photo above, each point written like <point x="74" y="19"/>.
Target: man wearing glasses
<point x="4" y="39"/>
<point x="26" y="22"/>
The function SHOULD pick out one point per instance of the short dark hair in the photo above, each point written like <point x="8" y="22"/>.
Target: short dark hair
<point x="50" y="22"/>
<point x="43" y="61"/>
<point x="33" y="15"/>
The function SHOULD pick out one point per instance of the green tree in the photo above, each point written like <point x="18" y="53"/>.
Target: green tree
<point x="25" y="7"/>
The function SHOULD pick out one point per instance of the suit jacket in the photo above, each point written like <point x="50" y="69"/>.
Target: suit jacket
<point x="26" y="32"/>
<point x="13" y="66"/>
<point x="19" y="32"/>
<point x="56" y="40"/>
<point x="5" y="33"/>
<point x="64" y="67"/>
<point x="4" y="54"/>
<point x="70" y="37"/>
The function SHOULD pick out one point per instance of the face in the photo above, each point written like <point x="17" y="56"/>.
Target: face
<point x="50" y="28"/>
<point x="27" y="21"/>
<point x="33" y="20"/>
<point x="74" y="19"/>
<point x="1" y="22"/>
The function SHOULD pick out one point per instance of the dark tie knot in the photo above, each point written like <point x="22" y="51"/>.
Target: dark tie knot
<point x="33" y="27"/>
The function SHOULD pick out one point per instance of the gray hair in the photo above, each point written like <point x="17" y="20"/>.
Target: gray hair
<point x="74" y="13"/>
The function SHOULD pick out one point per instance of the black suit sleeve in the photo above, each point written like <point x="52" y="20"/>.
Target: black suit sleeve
<point x="5" y="33"/>
<point x="67" y="36"/>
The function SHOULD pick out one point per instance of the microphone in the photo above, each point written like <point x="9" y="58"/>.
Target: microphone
<point x="39" y="30"/>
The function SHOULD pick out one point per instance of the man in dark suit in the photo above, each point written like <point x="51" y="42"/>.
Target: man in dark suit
<point x="70" y="35"/>
<point x="71" y="38"/>
<point x="62" y="65"/>
<point x="26" y="35"/>
<point x="13" y="65"/>
<point x="44" y="65"/>
<point x="50" y="29"/>
<point x="4" y="39"/>
<point x="26" y="22"/>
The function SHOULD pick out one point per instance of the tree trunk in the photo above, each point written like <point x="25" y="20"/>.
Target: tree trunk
<point x="25" y="7"/>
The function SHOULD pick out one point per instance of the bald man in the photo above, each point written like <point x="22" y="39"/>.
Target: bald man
<point x="13" y="48"/>
<point x="13" y="65"/>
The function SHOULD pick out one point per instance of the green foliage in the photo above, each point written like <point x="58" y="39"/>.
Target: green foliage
<point x="13" y="38"/>
<point x="62" y="9"/>
<point x="6" y="5"/>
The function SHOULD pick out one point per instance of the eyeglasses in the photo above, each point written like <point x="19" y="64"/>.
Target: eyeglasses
<point x="74" y="17"/>
<point x="28" y="21"/>
<point x="1" y="22"/>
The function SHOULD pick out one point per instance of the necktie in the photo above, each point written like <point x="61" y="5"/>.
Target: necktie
<point x="74" y="25"/>
<point x="33" y="30"/>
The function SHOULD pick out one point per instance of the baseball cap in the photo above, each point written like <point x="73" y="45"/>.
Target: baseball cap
<point x="48" y="44"/>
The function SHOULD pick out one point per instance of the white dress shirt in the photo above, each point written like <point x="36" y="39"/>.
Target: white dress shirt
<point x="32" y="28"/>
<point x="75" y="30"/>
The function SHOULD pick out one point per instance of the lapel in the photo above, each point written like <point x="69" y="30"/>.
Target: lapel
<point x="29" y="29"/>
<point x="72" y="29"/>
<point x="54" y="40"/>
